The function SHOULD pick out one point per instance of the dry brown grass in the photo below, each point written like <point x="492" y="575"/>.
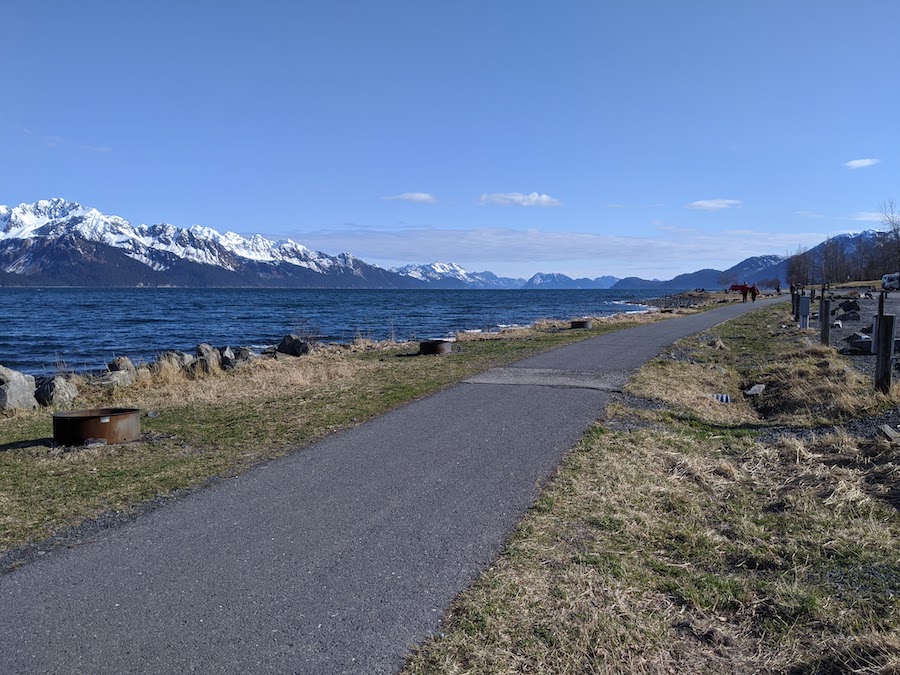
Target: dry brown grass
<point x="814" y="382"/>
<point x="261" y="379"/>
<point x="683" y="543"/>
<point x="660" y="552"/>
<point x="806" y="383"/>
<point x="688" y="386"/>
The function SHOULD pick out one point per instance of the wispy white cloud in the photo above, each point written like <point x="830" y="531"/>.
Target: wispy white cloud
<point x="519" y="199"/>
<point x="861" y="163"/>
<point x="615" y="206"/>
<point x="715" y="204"/>
<point x="417" y="197"/>
<point x="867" y="217"/>
<point x="808" y="214"/>
<point x="524" y="252"/>
<point x="53" y="141"/>
<point x="96" y="148"/>
<point x="674" y="229"/>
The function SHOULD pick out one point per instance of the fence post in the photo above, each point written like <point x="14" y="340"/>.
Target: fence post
<point x="875" y="321"/>
<point x="825" y="320"/>
<point x="884" y="353"/>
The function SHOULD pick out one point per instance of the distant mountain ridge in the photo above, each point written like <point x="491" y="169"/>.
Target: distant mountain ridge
<point x="752" y="270"/>
<point x="451" y="275"/>
<point x="60" y="243"/>
<point x="556" y="280"/>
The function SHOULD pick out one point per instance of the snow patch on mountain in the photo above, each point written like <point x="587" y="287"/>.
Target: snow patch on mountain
<point x="434" y="272"/>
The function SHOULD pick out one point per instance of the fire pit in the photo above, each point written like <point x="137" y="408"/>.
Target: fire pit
<point x="114" y="425"/>
<point x="435" y="347"/>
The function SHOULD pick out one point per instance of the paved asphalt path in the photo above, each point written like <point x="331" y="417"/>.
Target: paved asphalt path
<point x="338" y="558"/>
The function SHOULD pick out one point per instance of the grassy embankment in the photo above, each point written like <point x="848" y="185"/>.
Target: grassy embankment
<point x="219" y="425"/>
<point x="695" y="536"/>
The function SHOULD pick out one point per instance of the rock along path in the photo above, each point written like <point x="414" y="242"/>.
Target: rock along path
<point x="337" y="558"/>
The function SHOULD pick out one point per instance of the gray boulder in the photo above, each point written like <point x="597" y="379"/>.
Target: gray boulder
<point x="208" y="352"/>
<point x="293" y="345"/>
<point x="864" y="346"/>
<point x="117" y="378"/>
<point x="227" y="358"/>
<point x="207" y="361"/>
<point x="173" y="359"/>
<point x="16" y="390"/>
<point x="232" y="358"/>
<point x="241" y="355"/>
<point x="121" y="363"/>
<point x="55" y="391"/>
<point x="202" y="366"/>
<point x="859" y="335"/>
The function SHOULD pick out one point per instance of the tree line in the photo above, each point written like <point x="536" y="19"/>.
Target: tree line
<point x="861" y="258"/>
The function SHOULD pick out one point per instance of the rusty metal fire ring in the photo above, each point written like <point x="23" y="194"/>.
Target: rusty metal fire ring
<point x="435" y="347"/>
<point x="114" y="425"/>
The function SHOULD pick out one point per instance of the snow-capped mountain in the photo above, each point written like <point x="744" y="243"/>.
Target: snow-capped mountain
<point x="154" y="245"/>
<point x="561" y="281"/>
<point x="60" y="243"/>
<point x="451" y="275"/>
<point x="53" y="241"/>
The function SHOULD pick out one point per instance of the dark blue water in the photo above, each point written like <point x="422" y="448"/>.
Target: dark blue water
<point x="45" y="330"/>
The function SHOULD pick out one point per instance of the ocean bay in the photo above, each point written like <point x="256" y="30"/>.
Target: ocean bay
<point x="45" y="330"/>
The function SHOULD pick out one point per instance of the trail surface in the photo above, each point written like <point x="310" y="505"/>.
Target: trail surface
<point x="337" y="558"/>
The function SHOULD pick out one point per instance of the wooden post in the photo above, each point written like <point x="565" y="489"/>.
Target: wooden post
<point x="885" y="352"/>
<point x="825" y="320"/>
<point x="876" y="321"/>
<point x="795" y="305"/>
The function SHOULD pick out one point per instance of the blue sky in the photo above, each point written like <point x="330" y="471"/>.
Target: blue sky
<point x="589" y="138"/>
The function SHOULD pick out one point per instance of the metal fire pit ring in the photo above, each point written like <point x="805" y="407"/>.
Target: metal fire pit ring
<point x="114" y="425"/>
<point x="427" y="347"/>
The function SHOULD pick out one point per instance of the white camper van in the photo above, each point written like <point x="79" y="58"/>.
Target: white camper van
<point x="891" y="282"/>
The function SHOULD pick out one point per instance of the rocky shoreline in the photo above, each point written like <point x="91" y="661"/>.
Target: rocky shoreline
<point x="691" y="299"/>
<point x="27" y="392"/>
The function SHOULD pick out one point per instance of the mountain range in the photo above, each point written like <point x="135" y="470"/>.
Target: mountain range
<point x="60" y="243"/>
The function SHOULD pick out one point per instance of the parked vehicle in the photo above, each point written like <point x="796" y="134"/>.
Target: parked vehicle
<point x="891" y="282"/>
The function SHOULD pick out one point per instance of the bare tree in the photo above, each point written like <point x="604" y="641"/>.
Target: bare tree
<point x="834" y="263"/>
<point x="725" y="280"/>
<point x="890" y="218"/>
<point x="798" y="268"/>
